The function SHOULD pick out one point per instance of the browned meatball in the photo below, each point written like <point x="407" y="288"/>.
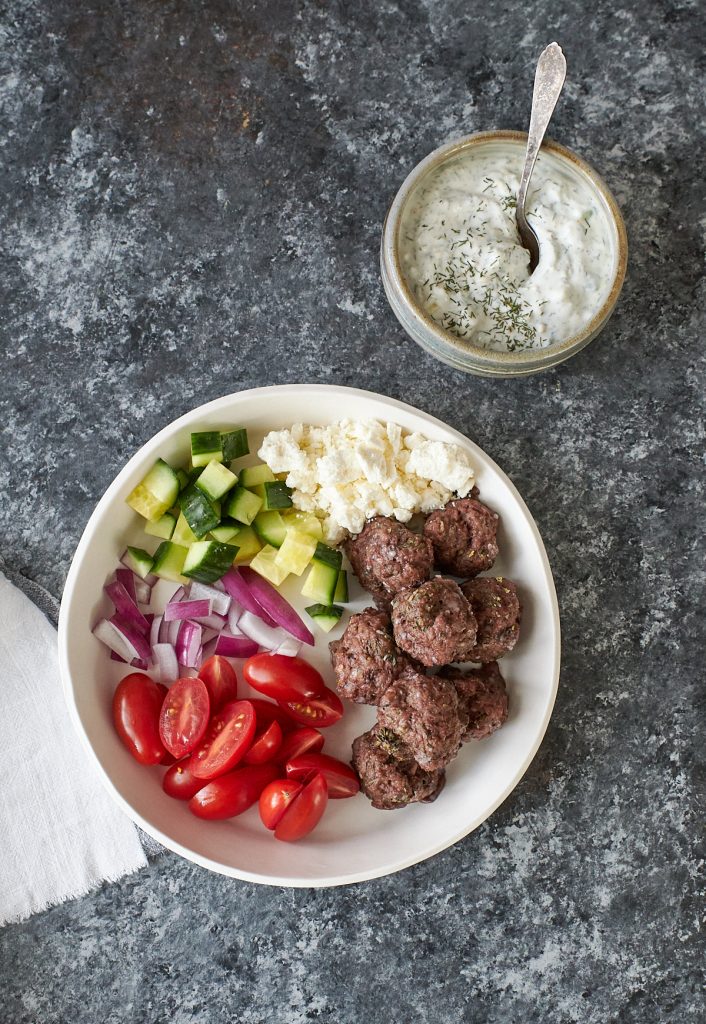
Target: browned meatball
<point x="366" y="660"/>
<point x="387" y="557"/>
<point x="497" y="609"/>
<point x="389" y="775"/>
<point x="424" y="712"/>
<point x="463" y="536"/>
<point x="433" y="623"/>
<point x="483" y="696"/>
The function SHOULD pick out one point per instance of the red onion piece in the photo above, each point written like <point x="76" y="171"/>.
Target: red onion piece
<point x="166" y="663"/>
<point x="239" y="590"/>
<point x="125" y="606"/>
<point x="208" y="649"/>
<point x="269" y="637"/>
<point x="127" y="578"/>
<point x="187" y="610"/>
<point x="215" y="622"/>
<point x="135" y="663"/>
<point x="289" y="647"/>
<point x="156" y="629"/>
<point x="275" y="606"/>
<point x="220" y="602"/>
<point x="172" y="632"/>
<point x="234" y="613"/>
<point x="188" y="645"/>
<point x="234" y="646"/>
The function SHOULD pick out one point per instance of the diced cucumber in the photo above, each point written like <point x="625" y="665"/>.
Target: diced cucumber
<point x="253" y="475"/>
<point x="270" y="528"/>
<point x="248" y="544"/>
<point x="163" y="527"/>
<point x="265" y="563"/>
<point x="156" y="493"/>
<point x="216" y="480"/>
<point x="295" y="551"/>
<point x="183" y="534"/>
<point x="184" y="479"/>
<point x="243" y="505"/>
<point x="199" y="512"/>
<point x="234" y="444"/>
<point x="326" y="616"/>
<point x="275" y="494"/>
<point x="206" y="447"/>
<point x="140" y="561"/>
<point x="328" y="556"/>
<point x="169" y="561"/>
<point x="323" y="578"/>
<point x="304" y="521"/>
<point x="341" y="592"/>
<point x="226" y="531"/>
<point x="207" y="560"/>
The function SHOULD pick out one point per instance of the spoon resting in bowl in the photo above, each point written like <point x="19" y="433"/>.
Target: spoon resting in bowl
<point x="548" y="81"/>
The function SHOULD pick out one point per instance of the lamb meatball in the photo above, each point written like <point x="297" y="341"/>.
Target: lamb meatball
<point x="389" y="775"/>
<point x="425" y="713"/>
<point x="366" y="660"/>
<point x="387" y="557"/>
<point x="497" y="609"/>
<point x="483" y="696"/>
<point x="434" y="623"/>
<point x="463" y="536"/>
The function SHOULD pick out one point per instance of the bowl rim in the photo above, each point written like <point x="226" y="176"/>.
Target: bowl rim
<point x="445" y="345"/>
<point x="151" y="446"/>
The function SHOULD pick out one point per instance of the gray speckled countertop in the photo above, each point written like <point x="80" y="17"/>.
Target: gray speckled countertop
<point x="192" y="203"/>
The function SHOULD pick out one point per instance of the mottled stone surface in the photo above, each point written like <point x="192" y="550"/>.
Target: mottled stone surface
<point x="192" y="203"/>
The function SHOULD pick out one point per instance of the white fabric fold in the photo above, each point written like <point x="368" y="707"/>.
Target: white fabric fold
<point x="62" y="834"/>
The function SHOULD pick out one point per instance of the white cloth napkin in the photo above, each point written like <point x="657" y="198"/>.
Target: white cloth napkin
<point x="61" y="832"/>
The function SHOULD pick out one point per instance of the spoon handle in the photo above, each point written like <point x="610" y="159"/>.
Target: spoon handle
<point x="548" y="81"/>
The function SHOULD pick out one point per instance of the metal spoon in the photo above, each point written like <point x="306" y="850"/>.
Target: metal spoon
<point x="548" y="80"/>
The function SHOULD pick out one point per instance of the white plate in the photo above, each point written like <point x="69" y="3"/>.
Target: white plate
<point x="353" y="842"/>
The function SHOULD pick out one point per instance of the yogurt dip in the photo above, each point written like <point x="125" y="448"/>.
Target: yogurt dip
<point x="461" y="254"/>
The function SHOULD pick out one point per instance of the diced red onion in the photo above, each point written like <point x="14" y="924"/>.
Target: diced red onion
<point x="178" y="595"/>
<point x="215" y="622"/>
<point x="156" y="629"/>
<point x="234" y="613"/>
<point x="208" y="634"/>
<point x="127" y="578"/>
<point x="208" y="649"/>
<point x="134" y="638"/>
<point x="240" y="591"/>
<point x="172" y="632"/>
<point x="135" y="663"/>
<point x="143" y="591"/>
<point x="187" y="610"/>
<point x="188" y="645"/>
<point x="166" y="662"/>
<point x="289" y="647"/>
<point x="125" y="606"/>
<point x="123" y="638"/>
<point x="220" y="601"/>
<point x="275" y="606"/>
<point x="269" y="637"/>
<point x="234" y="646"/>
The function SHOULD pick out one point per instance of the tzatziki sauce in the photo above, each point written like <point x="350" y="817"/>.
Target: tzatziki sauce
<point x="461" y="254"/>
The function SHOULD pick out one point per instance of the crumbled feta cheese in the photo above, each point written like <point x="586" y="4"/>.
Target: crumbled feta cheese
<point x="353" y="470"/>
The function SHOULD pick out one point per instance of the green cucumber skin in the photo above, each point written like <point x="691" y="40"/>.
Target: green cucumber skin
<point x="234" y="444"/>
<point x="206" y="447"/>
<point x="215" y="481"/>
<point x="268" y="532"/>
<point x="251" y="476"/>
<point x="199" y="512"/>
<point x="327" y="616"/>
<point x="142" y="561"/>
<point x="341" y="593"/>
<point x="163" y="527"/>
<point x="243" y="505"/>
<point x="277" y="495"/>
<point x="213" y="563"/>
<point x="328" y="556"/>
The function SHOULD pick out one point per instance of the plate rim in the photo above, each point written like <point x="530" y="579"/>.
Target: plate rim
<point x="332" y="881"/>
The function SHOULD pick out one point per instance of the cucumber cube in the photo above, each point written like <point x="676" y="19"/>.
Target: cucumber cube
<point x="163" y="527"/>
<point x="234" y="444"/>
<point x="216" y="480"/>
<point x="139" y="561"/>
<point x="207" y="560"/>
<point x="325" y="616"/>
<point x="296" y="551"/>
<point x="341" y="592"/>
<point x="275" y="494"/>
<point x="169" y="561"/>
<point x="183" y="534"/>
<point x="243" y="505"/>
<point x="253" y="475"/>
<point x="328" y="556"/>
<point x="320" y="584"/>
<point x="199" y="512"/>
<point x="248" y="544"/>
<point x="183" y="478"/>
<point x="226" y="531"/>
<point x="304" y="521"/>
<point x="156" y="493"/>
<point x="270" y="528"/>
<point x="206" y="447"/>
<point x="265" y="564"/>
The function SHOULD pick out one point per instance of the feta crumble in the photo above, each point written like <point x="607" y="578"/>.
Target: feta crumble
<point x="352" y="470"/>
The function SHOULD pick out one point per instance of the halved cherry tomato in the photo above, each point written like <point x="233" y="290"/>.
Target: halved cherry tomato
<point x="178" y="782"/>
<point x="221" y="681"/>
<point x="283" y="678"/>
<point x="340" y="778"/>
<point x="266" y="745"/>
<point x="268" y="712"/>
<point x="184" y="716"/>
<point x="233" y="793"/>
<point x="301" y="741"/>
<point x="226" y="742"/>
<point x="304" y="813"/>
<point x="276" y="798"/>
<point x="137" y="703"/>
<point x="321" y="711"/>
